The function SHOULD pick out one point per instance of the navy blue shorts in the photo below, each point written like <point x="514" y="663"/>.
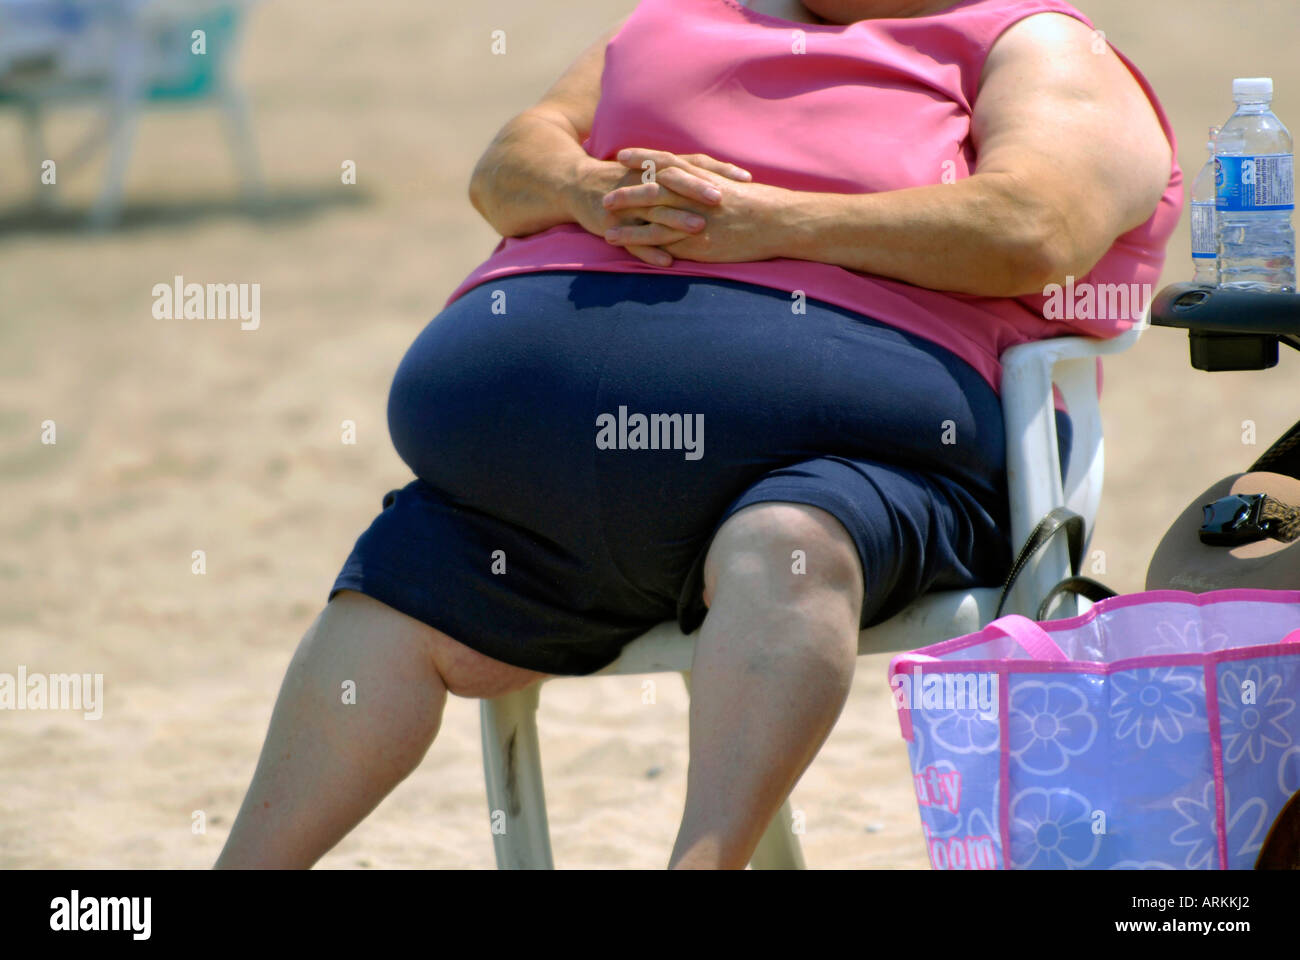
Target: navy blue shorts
<point x="578" y="437"/>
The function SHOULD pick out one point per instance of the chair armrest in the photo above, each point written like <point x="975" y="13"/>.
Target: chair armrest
<point x="1029" y="371"/>
<point x="1034" y="485"/>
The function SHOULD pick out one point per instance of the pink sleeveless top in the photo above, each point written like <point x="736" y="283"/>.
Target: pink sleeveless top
<point x="870" y="106"/>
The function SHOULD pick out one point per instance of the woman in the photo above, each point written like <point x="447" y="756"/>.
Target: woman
<point x="738" y="357"/>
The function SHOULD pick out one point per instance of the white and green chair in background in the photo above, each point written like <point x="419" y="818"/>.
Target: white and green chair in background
<point x="121" y="56"/>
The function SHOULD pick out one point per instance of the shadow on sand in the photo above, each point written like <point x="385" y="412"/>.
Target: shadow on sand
<point x="276" y="207"/>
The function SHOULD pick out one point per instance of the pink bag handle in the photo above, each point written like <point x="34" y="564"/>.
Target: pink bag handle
<point x="1033" y="639"/>
<point x="1292" y="637"/>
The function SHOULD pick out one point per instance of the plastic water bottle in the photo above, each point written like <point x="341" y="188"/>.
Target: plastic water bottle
<point x="1255" y="193"/>
<point x="1205" y="238"/>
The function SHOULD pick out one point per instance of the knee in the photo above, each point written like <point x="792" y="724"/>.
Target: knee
<point x="786" y="553"/>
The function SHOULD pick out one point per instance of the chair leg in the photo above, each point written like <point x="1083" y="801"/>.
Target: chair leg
<point x="108" y="207"/>
<point x="37" y="154"/>
<point x="239" y="132"/>
<point x="512" y="768"/>
<point x="778" y="848"/>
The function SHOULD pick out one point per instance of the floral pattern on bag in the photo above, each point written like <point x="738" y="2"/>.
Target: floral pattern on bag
<point x="1249" y="728"/>
<point x="1051" y="722"/>
<point x="1152" y="702"/>
<point x="1052" y="829"/>
<point x="1247" y="826"/>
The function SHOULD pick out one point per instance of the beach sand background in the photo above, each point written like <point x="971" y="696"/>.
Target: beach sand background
<point x="176" y="436"/>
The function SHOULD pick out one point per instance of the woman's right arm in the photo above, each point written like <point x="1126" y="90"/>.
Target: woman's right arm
<point x="527" y="179"/>
<point x="536" y="175"/>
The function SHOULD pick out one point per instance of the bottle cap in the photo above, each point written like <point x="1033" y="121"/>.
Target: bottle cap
<point x="1252" y="88"/>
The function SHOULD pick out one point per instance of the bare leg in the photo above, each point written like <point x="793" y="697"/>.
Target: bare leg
<point x="327" y="763"/>
<point x="772" y="670"/>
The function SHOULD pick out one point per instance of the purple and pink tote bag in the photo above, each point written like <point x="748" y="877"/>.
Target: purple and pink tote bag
<point x="1157" y="731"/>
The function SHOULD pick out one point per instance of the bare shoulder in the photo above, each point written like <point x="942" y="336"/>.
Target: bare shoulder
<point x="1055" y="38"/>
<point x="1053" y="86"/>
<point x="1063" y="53"/>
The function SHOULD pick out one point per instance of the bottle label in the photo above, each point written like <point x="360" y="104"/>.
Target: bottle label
<point x="1205" y="245"/>
<point x="1260" y="183"/>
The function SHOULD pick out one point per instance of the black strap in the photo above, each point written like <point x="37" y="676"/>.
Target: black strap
<point x="1282" y="457"/>
<point x="1080" y="586"/>
<point x="1282" y="518"/>
<point x="1058" y="518"/>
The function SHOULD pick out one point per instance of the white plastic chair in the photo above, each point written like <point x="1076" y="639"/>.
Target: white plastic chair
<point x="511" y="755"/>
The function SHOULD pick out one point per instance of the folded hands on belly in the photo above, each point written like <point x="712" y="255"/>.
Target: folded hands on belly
<point x="693" y="207"/>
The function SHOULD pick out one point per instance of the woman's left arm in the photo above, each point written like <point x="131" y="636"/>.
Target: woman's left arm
<point x="1070" y="155"/>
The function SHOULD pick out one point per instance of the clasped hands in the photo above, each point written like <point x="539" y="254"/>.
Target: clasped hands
<point x="660" y="205"/>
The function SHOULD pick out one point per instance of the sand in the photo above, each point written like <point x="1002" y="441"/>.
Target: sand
<point x="177" y="436"/>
